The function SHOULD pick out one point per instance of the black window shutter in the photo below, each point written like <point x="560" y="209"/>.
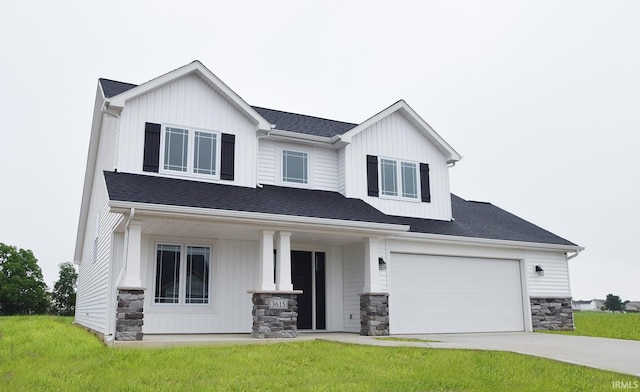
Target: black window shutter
<point x="425" y="190"/>
<point x="372" y="175"/>
<point x="151" y="159"/>
<point x="227" y="156"/>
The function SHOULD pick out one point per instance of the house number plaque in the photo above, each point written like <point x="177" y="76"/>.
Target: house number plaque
<point x="278" y="303"/>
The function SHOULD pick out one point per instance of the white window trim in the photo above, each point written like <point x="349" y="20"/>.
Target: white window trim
<point x="399" y="163"/>
<point x="279" y="173"/>
<point x="191" y="131"/>
<point x="182" y="276"/>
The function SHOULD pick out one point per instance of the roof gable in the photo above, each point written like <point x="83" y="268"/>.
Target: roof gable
<point x="125" y="92"/>
<point x="403" y="108"/>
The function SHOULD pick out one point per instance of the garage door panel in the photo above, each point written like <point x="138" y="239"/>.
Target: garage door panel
<point x="437" y="294"/>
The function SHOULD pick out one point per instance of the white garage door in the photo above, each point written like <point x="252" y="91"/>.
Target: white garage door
<point x="439" y="294"/>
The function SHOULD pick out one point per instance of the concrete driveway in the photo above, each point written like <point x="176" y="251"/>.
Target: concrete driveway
<point x="622" y="356"/>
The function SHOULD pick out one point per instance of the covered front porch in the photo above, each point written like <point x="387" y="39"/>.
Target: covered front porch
<point x="230" y="274"/>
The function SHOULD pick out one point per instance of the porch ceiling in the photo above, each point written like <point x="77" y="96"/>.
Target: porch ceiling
<point x="206" y="229"/>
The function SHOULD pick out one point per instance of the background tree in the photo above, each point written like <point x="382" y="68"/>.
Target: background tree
<point x="22" y="289"/>
<point x="614" y="303"/>
<point x="64" y="291"/>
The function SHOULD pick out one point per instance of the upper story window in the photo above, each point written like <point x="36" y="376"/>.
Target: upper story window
<point x="398" y="178"/>
<point x="295" y="166"/>
<point x="190" y="151"/>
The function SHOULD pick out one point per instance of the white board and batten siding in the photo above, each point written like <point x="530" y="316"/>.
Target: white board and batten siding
<point x="190" y="102"/>
<point x="94" y="294"/>
<point x="234" y="272"/>
<point x="396" y="138"/>
<point x="444" y="294"/>
<point x="353" y="283"/>
<point x="323" y="165"/>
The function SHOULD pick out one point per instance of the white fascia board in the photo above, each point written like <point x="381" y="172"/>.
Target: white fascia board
<point x="92" y="156"/>
<point x="487" y="242"/>
<point x="119" y="100"/>
<point x="291" y="136"/>
<point x="288" y="221"/>
<point x="401" y="106"/>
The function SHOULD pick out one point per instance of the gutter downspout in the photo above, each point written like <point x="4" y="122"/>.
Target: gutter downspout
<point x="573" y="255"/>
<point x="111" y="334"/>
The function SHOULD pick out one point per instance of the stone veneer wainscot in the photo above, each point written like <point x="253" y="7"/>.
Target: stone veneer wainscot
<point x="552" y="314"/>
<point x="374" y="314"/>
<point x="269" y="322"/>
<point x="130" y="314"/>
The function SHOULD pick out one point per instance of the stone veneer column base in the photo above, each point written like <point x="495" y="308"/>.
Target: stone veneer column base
<point x="130" y="314"/>
<point x="552" y="314"/>
<point x="374" y="314"/>
<point x="275" y="314"/>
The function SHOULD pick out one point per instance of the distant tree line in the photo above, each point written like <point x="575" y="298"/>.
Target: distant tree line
<point x="613" y="303"/>
<point x="22" y="288"/>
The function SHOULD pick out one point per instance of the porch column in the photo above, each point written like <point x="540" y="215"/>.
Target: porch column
<point x="374" y="304"/>
<point x="266" y="261"/>
<point x="371" y="269"/>
<point x="130" y="296"/>
<point x="283" y="265"/>
<point x="132" y="255"/>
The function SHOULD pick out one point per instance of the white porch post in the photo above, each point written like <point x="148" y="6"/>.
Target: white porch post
<point x="371" y="273"/>
<point x="266" y="261"/>
<point x="132" y="278"/>
<point x="283" y="266"/>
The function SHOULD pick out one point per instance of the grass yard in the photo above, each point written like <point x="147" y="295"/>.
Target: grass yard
<point x="606" y="325"/>
<point x="50" y="354"/>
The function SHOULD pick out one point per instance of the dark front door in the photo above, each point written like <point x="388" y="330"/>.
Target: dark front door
<point x="305" y="271"/>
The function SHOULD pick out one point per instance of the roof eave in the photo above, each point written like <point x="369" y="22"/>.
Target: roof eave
<point x="279" y="134"/>
<point x="275" y="220"/>
<point x="89" y="174"/>
<point x="491" y="242"/>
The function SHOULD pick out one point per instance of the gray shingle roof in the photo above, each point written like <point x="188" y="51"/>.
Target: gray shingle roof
<point x="310" y="125"/>
<point x="484" y="220"/>
<point x="473" y="219"/>
<point x="111" y="88"/>
<point x="284" y="121"/>
<point x="269" y="199"/>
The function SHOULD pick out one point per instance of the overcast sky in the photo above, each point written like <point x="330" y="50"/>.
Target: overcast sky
<point x="540" y="97"/>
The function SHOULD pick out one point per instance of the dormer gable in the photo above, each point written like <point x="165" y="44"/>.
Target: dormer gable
<point x="117" y="102"/>
<point x="405" y="110"/>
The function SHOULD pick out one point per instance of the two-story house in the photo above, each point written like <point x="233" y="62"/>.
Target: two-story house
<point x="203" y="214"/>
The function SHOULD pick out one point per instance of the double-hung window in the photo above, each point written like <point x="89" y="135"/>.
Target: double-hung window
<point x="398" y="178"/>
<point x="190" y="151"/>
<point x="295" y="167"/>
<point x="182" y="274"/>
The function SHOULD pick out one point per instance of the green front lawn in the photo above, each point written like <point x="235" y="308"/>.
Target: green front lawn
<point x="48" y="353"/>
<point x="606" y="325"/>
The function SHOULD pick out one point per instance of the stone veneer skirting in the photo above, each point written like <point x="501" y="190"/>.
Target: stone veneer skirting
<point x="374" y="314"/>
<point x="130" y="314"/>
<point x="552" y="314"/>
<point x="275" y="314"/>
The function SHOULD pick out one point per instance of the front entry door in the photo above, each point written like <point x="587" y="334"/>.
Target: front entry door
<point x="307" y="274"/>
